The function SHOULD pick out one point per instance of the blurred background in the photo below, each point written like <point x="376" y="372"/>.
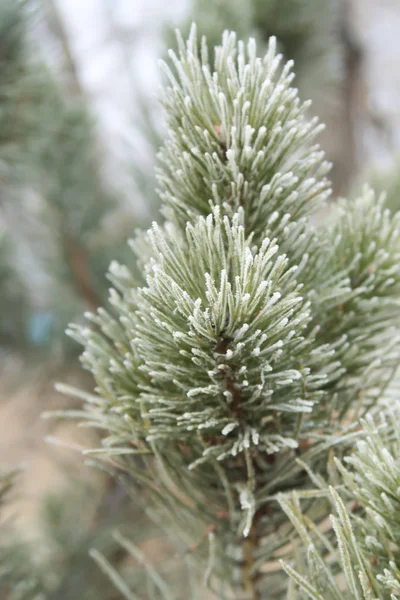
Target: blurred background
<point x="80" y="124"/>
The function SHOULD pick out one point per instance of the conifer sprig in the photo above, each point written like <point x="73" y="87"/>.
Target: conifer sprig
<point x="238" y="136"/>
<point x="255" y="338"/>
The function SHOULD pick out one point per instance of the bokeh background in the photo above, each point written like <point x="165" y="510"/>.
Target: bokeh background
<point x="80" y="123"/>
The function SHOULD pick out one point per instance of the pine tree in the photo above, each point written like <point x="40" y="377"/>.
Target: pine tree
<point x="245" y="355"/>
<point x="63" y="212"/>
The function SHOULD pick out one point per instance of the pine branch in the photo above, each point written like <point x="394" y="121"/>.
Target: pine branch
<point x="254" y="339"/>
<point x="58" y="27"/>
<point x="77" y="261"/>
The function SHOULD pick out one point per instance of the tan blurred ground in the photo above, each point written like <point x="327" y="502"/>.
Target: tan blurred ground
<point x="24" y="394"/>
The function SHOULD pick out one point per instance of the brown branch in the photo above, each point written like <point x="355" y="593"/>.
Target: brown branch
<point x="77" y="260"/>
<point x="354" y="94"/>
<point x="229" y="379"/>
<point x="57" y="26"/>
<point x="250" y="579"/>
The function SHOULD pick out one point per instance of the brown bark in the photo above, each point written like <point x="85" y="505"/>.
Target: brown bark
<point x="250" y="579"/>
<point x="77" y="260"/>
